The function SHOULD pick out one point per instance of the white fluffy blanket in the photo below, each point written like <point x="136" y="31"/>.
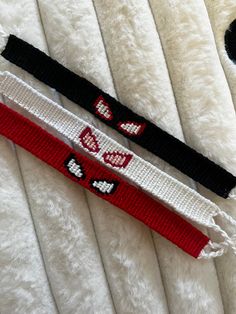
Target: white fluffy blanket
<point x="62" y="250"/>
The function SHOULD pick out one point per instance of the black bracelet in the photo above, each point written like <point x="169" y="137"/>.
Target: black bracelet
<point x="119" y="117"/>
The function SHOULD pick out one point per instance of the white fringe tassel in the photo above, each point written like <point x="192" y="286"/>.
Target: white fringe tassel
<point x="218" y="249"/>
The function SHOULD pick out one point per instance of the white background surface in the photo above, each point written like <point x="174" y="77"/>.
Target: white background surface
<point x="62" y="250"/>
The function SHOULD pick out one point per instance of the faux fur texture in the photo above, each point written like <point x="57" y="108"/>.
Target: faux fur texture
<point x="24" y="285"/>
<point x="204" y="101"/>
<point x="90" y="264"/>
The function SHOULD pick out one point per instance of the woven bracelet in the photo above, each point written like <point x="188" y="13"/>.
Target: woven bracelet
<point x="101" y="182"/>
<point x="119" y="117"/>
<point x="167" y="189"/>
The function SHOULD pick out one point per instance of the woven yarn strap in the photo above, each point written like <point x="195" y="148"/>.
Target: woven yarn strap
<point x="119" y="117"/>
<point x="100" y="181"/>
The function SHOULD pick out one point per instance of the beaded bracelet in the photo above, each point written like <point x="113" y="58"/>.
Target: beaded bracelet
<point x="184" y="200"/>
<point x="103" y="183"/>
<point x="119" y="117"/>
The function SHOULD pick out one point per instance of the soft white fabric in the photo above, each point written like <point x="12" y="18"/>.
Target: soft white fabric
<point x="97" y="259"/>
<point x="204" y="101"/>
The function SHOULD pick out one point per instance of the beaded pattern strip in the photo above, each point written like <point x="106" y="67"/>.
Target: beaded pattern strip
<point x="94" y="177"/>
<point x="183" y="199"/>
<point x="119" y="117"/>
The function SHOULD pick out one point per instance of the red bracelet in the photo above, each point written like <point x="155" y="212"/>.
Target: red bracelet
<point x="99" y="180"/>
